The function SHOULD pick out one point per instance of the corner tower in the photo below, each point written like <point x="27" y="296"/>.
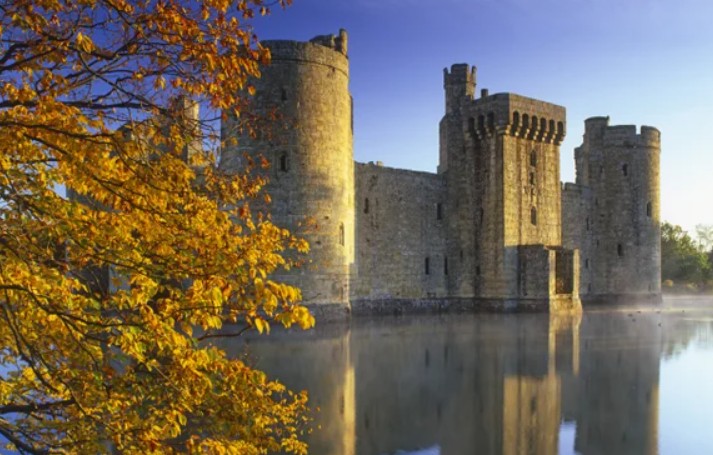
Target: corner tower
<point x="620" y="167"/>
<point x="303" y="98"/>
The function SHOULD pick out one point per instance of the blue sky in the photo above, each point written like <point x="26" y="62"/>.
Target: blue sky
<point x="639" y="61"/>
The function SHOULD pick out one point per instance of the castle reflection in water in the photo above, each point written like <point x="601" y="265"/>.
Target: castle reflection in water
<point x="485" y="384"/>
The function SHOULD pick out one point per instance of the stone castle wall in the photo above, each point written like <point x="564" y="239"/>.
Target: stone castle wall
<point x="494" y="225"/>
<point x="577" y="228"/>
<point x="400" y="239"/>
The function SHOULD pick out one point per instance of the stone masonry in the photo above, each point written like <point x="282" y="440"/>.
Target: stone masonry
<point x="493" y="229"/>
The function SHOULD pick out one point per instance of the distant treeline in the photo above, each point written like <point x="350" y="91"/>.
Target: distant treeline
<point x="686" y="263"/>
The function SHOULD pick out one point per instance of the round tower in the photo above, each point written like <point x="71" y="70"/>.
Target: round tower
<point x="304" y="101"/>
<point x="625" y="212"/>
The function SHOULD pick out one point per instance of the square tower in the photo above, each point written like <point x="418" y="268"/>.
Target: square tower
<point x="501" y="159"/>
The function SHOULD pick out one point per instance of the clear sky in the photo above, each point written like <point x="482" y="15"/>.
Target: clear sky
<point x="639" y="61"/>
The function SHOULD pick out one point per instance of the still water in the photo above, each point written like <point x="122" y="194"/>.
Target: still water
<point x="611" y="381"/>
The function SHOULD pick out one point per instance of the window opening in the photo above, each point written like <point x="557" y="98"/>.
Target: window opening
<point x="427" y="267"/>
<point x="445" y="265"/>
<point x="625" y="169"/>
<point x="620" y="249"/>
<point x="439" y="211"/>
<point x="533" y="216"/>
<point x="648" y="209"/>
<point x="283" y="162"/>
<point x="366" y="205"/>
<point x="341" y="234"/>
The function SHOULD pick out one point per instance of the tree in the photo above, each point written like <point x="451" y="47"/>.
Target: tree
<point x="681" y="258"/>
<point x="109" y="299"/>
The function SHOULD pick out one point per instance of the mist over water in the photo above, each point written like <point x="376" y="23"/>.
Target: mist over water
<point x="611" y="381"/>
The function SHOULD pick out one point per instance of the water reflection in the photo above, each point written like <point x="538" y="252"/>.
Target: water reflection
<point x="485" y="384"/>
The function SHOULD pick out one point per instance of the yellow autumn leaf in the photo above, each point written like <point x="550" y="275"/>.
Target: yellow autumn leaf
<point x="120" y="282"/>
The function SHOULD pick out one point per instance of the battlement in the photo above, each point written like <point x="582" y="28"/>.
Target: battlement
<point x="337" y="43"/>
<point x="598" y="130"/>
<point x="459" y="74"/>
<point x="508" y="113"/>
<point x="327" y="50"/>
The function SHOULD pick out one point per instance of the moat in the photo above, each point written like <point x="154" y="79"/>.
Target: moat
<point x="624" y="380"/>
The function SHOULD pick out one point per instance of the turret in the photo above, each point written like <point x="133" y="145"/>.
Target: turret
<point x="459" y="84"/>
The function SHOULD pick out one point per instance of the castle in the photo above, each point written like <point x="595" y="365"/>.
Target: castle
<point x="494" y="228"/>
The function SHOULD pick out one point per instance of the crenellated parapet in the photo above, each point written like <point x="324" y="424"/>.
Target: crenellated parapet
<point x="335" y="42"/>
<point x="517" y="116"/>
<point x="325" y="50"/>
<point x="599" y="132"/>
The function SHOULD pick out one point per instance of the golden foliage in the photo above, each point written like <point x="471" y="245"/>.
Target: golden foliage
<point x="109" y="298"/>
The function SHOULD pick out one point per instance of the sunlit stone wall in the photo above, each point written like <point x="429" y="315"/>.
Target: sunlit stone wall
<point x="400" y="234"/>
<point x="500" y="158"/>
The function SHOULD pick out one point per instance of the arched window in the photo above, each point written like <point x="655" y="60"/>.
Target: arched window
<point x="471" y="125"/>
<point x="552" y="126"/>
<point x="543" y="124"/>
<point x="491" y="120"/>
<point x="481" y="122"/>
<point x="535" y="122"/>
<point x="341" y="234"/>
<point x="283" y="162"/>
<point x="648" y="209"/>
<point x="366" y="205"/>
<point x="625" y="170"/>
<point x="560" y="128"/>
<point x="533" y="216"/>
<point x="525" y="121"/>
<point x="533" y="158"/>
<point x="516" y="119"/>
